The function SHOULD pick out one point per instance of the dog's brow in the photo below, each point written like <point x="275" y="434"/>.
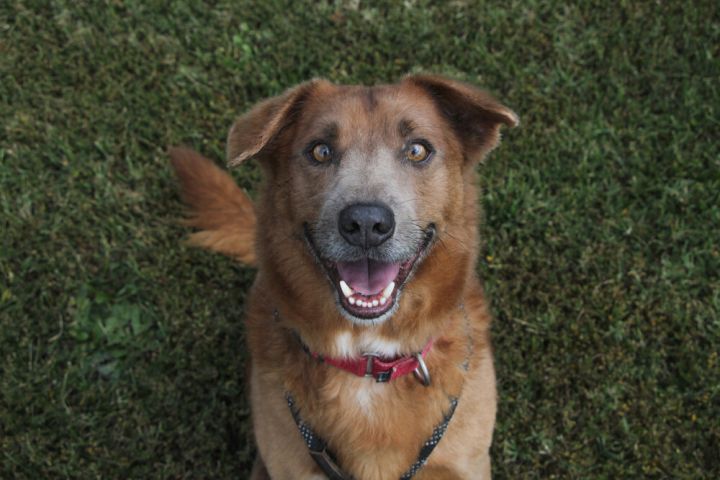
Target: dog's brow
<point x="329" y="131"/>
<point x="406" y="127"/>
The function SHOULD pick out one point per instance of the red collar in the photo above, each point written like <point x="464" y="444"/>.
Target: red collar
<point x="370" y="365"/>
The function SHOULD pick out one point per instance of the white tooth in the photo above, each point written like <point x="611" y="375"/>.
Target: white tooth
<point x="383" y="300"/>
<point x="388" y="290"/>
<point x="365" y="304"/>
<point x="351" y="300"/>
<point x="347" y="291"/>
<point x="375" y="303"/>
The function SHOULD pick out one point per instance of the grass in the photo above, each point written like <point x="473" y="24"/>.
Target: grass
<point x="121" y="350"/>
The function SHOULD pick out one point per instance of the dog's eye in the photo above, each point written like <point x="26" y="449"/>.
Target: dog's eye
<point x="417" y="152"/>
<point x="321" y="153"/>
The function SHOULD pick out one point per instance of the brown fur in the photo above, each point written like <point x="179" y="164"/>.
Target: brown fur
<point x="222" y="212"/>
<point x="375" y="430"/>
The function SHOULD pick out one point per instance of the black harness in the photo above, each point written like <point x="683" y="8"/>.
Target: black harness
<point x="327" y="461"/>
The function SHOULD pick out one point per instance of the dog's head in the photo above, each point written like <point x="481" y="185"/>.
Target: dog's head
<point x="365" y="186"/>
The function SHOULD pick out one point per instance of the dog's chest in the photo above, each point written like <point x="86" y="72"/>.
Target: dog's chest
<point x="364" y="395"/>
<point x="366" y="398"/>
<point x="375" y="429"/>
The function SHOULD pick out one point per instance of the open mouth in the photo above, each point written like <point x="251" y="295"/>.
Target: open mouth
<point x="367" y="288"/>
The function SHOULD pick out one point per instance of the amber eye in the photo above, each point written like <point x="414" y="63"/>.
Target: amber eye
<point x="417" y="152"/>
<point x="321" y="153"/>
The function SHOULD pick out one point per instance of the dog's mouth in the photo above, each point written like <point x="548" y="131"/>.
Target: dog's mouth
<point x="367" y="289"/>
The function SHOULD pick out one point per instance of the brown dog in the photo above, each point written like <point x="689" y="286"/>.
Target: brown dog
<point x="365" y="239"/>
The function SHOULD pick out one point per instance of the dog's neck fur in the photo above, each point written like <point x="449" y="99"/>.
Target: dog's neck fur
<point x="348" y="344"/>
<point x="404" y="334"/>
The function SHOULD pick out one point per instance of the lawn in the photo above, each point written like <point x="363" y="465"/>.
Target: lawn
<point x="121" y="349"/>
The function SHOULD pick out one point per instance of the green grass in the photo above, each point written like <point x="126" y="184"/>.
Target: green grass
<point x="121" y="350"/>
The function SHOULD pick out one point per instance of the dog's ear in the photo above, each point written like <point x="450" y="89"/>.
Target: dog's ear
<point x="475" y="116"/>
<point x="253" y="132"/>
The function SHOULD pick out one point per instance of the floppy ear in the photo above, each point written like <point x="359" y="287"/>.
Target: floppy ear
<point x="475" y="116"/>
<point x="254" y="131"/>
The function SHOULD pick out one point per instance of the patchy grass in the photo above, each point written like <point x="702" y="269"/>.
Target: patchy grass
<point x="121" y="351"/>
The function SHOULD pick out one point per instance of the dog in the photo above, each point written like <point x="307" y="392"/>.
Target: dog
<point x="367" y="327"/>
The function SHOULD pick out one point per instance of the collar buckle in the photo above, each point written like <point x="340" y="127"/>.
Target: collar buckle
<point x="369" y="361"/>
<point x="380" y="377"/>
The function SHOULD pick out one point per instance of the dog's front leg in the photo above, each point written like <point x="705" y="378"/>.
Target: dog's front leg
<point x="259" y="472"/>
<point x="431" y="472"/>
<point x="281" y="450"/>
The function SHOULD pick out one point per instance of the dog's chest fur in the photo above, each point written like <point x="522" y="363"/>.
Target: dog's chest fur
<point x="363" y="421"/>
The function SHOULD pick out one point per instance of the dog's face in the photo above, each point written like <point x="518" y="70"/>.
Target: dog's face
<point x="367" y="180"/>
<point x="372" y="172"/>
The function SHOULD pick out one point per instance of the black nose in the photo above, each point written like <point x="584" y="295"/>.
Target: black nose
<point x="366" y="224"/>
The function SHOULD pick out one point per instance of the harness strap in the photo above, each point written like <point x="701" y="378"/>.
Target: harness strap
<point x="316" y="446"/>
<point x="431" y="442"/>
<point x="326" y="460"/>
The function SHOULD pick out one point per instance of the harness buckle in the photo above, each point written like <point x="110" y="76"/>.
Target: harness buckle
<point x="327" y="464"/>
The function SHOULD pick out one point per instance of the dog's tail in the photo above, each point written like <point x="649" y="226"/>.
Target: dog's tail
<point x="218" y="207"/>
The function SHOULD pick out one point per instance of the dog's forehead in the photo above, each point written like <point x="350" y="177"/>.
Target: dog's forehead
<point x="384" y="110"/>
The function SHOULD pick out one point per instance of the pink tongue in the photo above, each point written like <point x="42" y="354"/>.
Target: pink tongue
<point x="366" y="276"/>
